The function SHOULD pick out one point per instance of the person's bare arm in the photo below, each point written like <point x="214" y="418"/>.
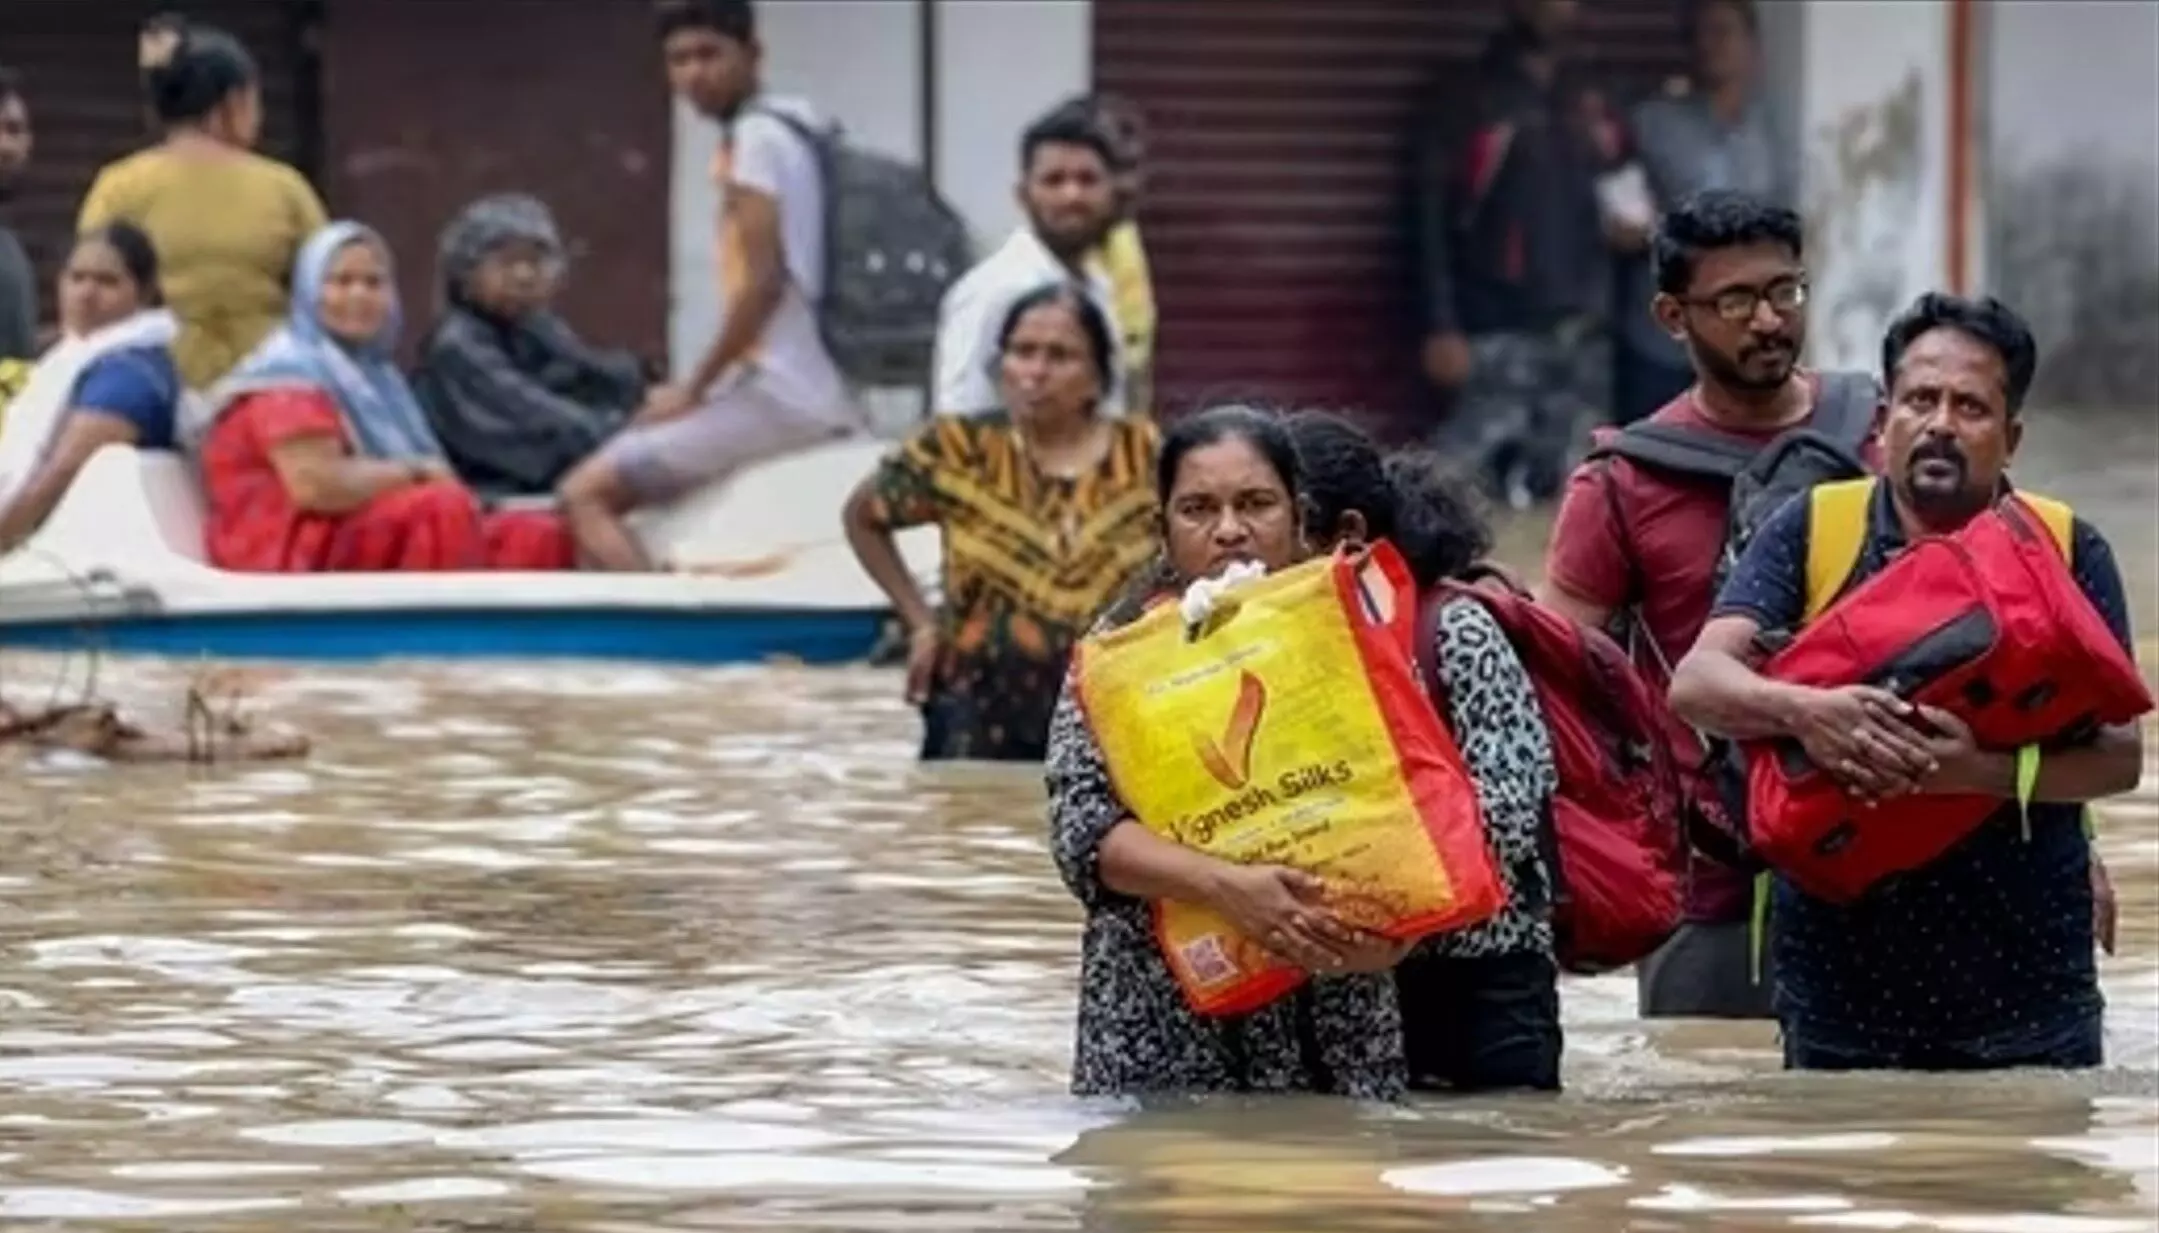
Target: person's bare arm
<point x="321" y="478"/>
<point x="2111" y="763"/>
<point x="757" y="215"/>
<point x="84" y="432"/>
<point x="1716" y="690"/>
<point x="1135" y="861"/>
<point x="879" y="554"/>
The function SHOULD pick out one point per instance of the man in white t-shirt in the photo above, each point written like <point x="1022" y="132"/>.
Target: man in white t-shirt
<point x="1070" y="200"/>
<point x="766" y="386"/>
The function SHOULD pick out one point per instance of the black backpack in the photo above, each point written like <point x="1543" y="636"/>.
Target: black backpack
<point x="1763" y="477"/>
<point x="892" y="248"/>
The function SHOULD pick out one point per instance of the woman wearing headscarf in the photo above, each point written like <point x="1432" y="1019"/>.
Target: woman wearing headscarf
<point x="316" y="456"/>
<point x="226" y="221"/>
<point x="515" y="396"/>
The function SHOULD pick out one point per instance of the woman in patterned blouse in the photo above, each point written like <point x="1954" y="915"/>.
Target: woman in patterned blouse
<point x="1235" y="488"/>
<point x="1046" y="509"/>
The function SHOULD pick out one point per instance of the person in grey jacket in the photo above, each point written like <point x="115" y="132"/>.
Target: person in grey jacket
<point x="1714" y="130"/>
<point x="515" y="396"/>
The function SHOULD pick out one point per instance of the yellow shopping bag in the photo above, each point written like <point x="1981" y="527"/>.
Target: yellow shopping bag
<point x="1292" y="729"/>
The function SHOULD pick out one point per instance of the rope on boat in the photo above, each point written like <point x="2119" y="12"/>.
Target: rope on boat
<point x="92" y="724"/>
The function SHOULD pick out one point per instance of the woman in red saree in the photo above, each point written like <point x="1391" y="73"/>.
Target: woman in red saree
<point x="316" y="457"/>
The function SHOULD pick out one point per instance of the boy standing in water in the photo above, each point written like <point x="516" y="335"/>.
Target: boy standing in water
<point x="766" y="386"/>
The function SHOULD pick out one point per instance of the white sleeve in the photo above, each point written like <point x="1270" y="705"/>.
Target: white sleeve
<point x="762" y="146"/>
<point x="964" y="349"/>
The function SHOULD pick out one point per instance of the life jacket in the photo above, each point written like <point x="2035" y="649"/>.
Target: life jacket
<point x="1613" y="842"/>
<point x="1987" y="623"/>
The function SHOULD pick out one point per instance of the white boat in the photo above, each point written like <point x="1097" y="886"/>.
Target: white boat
<point x="120" y="567"/>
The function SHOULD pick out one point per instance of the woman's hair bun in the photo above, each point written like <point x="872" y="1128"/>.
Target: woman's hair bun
<point x="189" y="69"/>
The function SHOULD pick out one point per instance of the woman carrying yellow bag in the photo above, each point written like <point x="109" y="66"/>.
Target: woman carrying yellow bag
<point x="1232" y="496"/>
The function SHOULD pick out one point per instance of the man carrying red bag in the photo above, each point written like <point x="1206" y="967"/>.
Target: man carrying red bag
<point x="1981" y="959"/>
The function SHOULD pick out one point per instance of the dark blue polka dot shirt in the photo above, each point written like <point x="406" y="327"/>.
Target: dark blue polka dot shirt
<point x="1986" y="949"/>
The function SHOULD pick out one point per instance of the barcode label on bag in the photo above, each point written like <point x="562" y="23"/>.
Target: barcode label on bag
<point x="1208" y="962"/>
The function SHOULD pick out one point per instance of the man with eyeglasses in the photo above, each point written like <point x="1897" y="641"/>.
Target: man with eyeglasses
<point x="1648" y="527"/>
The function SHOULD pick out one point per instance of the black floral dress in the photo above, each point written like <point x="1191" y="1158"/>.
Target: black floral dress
<point x="1338" y="1035"/>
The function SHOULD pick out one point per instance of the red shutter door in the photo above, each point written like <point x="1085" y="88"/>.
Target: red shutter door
<point x="1278" y="214"/>
<point x="78" y="62"/>
<point x="429" y="105"/>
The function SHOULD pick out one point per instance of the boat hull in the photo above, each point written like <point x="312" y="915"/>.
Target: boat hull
<point x="768" y="575"/>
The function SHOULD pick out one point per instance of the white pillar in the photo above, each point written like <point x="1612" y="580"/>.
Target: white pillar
<point x="1000" y="63"/>
<point x="1876" y="119"/>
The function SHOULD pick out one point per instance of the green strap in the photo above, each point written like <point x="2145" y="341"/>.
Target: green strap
<point x="2091" y="823"/>
<point x="1758" y="926"/>
<point x="2027" y="784"/>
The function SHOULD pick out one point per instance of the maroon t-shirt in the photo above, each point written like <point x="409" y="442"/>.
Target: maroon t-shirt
<point x="1629" y="536"/>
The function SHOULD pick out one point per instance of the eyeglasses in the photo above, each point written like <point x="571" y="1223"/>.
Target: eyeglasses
<point x="1737" y="304"/>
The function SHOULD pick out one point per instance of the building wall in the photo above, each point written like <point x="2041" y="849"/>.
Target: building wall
<point x="2071" y="167"/>
<point x="423" y="112"/>
<point x="1874" y="108"/>
<point x="998" y="66"/>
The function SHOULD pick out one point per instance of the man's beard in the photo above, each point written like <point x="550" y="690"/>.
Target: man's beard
<point x="1728" y="372"/>
<point x="1952" y="503"/>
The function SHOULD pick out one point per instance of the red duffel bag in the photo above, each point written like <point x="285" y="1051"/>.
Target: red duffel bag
<point x="1987" y="624"/>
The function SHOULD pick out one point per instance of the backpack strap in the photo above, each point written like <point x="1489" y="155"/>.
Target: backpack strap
<point x="1846" y="407"/>
<point x="1836" y="530"/>
<point x="1684" y="450"/>
<point x="2060" y="520"/>
<point x="1844" y="413"/>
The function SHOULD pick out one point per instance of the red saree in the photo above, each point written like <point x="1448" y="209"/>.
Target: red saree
<point x="252" y="525"/>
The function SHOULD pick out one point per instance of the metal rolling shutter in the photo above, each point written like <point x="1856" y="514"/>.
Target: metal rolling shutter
<point x="78" y="62"/>
<point x="1277" y="214"/>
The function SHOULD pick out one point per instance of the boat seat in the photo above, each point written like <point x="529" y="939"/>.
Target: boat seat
<point x="792" y="502"/>
<point x="123" y="499"/>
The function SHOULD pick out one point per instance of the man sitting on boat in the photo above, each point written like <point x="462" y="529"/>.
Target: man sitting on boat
<point x="766" y="386"/>
<point x="315" y="455"/>
<point x="515" y="395"/>
<point x="110" y="380"/>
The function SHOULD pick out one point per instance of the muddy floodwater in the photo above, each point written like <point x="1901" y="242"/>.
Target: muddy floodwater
<point x="620" y="949"/>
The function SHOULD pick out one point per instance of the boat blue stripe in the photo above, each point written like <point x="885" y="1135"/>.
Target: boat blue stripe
<point x="673" y="637"/>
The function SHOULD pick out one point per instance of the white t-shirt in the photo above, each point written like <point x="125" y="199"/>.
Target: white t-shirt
<point x="974" y="310"/>
<point x="760" y="151"/>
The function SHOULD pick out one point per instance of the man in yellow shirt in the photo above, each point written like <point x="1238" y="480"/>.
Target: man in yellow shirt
<point x="1122" y="256"/>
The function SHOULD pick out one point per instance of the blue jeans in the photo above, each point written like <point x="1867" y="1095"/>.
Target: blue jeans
<point x="2079" y="1044"/>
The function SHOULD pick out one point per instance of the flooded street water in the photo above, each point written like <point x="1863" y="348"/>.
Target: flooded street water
<point x="616" y="949"/>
